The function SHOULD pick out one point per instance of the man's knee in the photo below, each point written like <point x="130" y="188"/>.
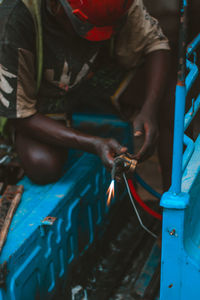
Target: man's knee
<point x="44" y="169"/>
<point x="42" y="163"/>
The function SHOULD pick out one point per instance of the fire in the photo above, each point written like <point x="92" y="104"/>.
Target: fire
<point x="111" y="192"/>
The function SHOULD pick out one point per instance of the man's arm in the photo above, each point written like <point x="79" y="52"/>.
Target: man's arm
<point x="157" y="68"/>
<point x="142" y="37"/>
<point x="54" y="133"/>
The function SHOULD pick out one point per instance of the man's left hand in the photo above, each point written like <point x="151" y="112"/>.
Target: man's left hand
<point x="146" y="124"/>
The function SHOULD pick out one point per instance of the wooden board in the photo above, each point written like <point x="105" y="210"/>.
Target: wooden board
<point x="8" y="205"/>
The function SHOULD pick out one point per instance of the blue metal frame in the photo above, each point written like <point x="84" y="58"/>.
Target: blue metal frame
<point x="180" y="265"/>
<point x="55" y="224"/>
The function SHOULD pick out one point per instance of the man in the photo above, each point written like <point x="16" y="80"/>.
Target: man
<point x="74" y="33"/>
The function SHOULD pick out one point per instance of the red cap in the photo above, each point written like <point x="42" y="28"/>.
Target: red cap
<point x="99" y="33"/>
<point x="97" y="19"/>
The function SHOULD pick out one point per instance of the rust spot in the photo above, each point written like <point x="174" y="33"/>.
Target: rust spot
<point x="60" y="196"/>
<point x="49" y="220"/>
<point x="170" y="286"/>
<point x="181" y="82"/>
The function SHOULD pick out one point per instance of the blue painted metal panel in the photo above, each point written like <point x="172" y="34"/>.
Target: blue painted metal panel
<point x="191" y="183"/>
<point x="180" y="274"/>
<point x="180" y="268"/>
<point x="39" y="253"/>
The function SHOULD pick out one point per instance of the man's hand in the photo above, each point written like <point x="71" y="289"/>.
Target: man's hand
<point x="107" y="149"/>
<point x="157" y="66"/>
<point x="51" y="132"/>
<point x="147" y="125"/>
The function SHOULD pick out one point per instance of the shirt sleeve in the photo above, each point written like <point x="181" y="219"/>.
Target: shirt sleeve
<point x="140" y="35"/>
<point x="17" y="65"/>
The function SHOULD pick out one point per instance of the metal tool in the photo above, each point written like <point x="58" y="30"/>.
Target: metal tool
<point x="123" y="163"/>
<point x="6" y="154"/>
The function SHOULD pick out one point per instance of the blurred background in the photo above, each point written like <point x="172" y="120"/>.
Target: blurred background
<point x="167" y="12"/>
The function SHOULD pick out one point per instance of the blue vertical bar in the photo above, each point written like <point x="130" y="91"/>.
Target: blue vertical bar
<point x="180" y="104"/>
<point x="178" y="138"/>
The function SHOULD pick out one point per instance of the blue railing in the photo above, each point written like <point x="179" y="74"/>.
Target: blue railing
<point x="183" y="282"/>
<point x="182" y="122"/>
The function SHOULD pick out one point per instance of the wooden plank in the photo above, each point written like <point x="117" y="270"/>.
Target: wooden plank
<point x="10" y="199"/>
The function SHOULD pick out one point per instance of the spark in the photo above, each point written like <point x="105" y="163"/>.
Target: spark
<point x="110" y="192"/>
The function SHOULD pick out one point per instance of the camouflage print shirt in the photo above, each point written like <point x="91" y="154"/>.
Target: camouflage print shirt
<point x="67" y="60"/>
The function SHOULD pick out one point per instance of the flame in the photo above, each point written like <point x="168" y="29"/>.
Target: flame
<point x="110" y="192"/>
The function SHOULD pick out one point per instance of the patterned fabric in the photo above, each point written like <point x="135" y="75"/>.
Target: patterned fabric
<point x="68" y="61"/>
<point x="141" y="35"/>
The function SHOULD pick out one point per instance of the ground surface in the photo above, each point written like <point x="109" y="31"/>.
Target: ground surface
<point x="125" y="265"/>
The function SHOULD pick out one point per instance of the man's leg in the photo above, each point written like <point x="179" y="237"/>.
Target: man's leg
<point x="42" y="163"/>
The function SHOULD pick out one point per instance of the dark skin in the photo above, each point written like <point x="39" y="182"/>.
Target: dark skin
<point x="153" y="98"/>
<point x="42" y="143"/>
<point x="146" y="122"/>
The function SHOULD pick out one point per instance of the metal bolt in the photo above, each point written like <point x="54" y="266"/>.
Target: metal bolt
<point x="173" y="232"/>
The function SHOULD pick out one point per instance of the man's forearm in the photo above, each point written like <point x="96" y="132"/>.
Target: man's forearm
<point x="55" y="133"/>
<point x="157" y="68"/>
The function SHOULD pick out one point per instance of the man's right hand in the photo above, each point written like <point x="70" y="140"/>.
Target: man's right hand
<point x="107" y="149"/>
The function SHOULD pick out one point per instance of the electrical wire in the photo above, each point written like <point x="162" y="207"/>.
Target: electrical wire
<point x="136" y="211"/>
